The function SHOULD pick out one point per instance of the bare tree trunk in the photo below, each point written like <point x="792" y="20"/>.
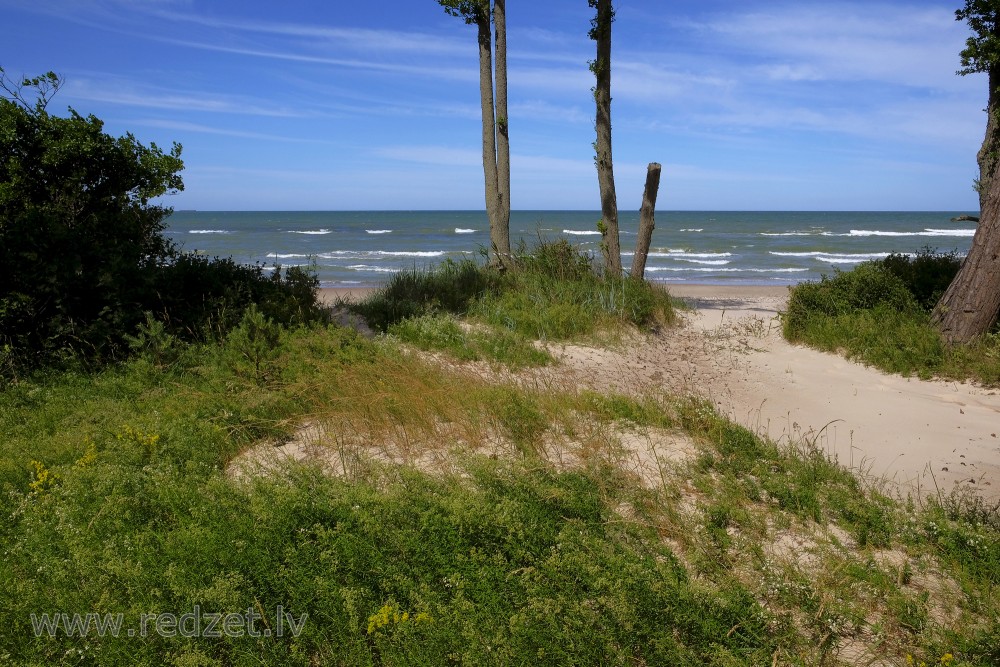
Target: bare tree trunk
<point x="601" y="33"/>
<point x="987" y="156"/>
<point x="647" y="220"/>
<point x="489" y="135"/>
<point x="971" y="304"/>
<point x="501" y="238"/>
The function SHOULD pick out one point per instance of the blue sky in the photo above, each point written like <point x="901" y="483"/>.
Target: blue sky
<point x="341" y="105"/>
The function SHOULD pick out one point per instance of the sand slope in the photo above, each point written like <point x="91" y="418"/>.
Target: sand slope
<point x="926" y="434"/>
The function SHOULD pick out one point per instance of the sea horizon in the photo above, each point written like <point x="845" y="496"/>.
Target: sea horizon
<point x="362" y="248"/>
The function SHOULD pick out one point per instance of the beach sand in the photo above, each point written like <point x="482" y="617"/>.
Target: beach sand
<point x="914" y="436"/>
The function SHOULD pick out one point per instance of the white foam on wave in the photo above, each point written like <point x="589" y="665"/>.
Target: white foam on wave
<point x="314" y="232"/>
<point x="681" y="254"/>
<point x="209" y="231"/>
<point x="690" y="230"/>
<point x="459" y="230"/>
<point x="375" y="269"/>
<point x="293" y="255"/>
<point x="361" y="254"/>
<point x="378" y="231"/>
<point x="925" y="232"/>
<point x="729" y="270"/>
<point x="834" y="257"/>
<point x="576" y="232"/>
<point x="788" y="233"/>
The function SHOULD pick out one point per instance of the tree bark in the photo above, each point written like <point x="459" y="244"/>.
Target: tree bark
<point x="647" y="221"/>
<point x="489" y="134"/>
<point x="601" y="33"/>
<point x="501" y="238"/>
<point x="970" y="305"/>
<point x="987" y="156"/>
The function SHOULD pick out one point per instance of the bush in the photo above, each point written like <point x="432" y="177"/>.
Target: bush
<point x="926" y="275"/>
<point x="867" y="287"/>
<point x="82" y="245"/>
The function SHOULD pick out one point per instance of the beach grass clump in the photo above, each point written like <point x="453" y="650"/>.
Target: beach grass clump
<point x="445" y="332"/>
<point x="552" y="292"/>
<point x="879" y="314"/>
<point x="447" y="287"/>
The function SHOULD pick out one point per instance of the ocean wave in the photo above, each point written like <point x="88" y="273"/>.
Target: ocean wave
<point x="575" y="232"/>
<point x="375" y="269"/>
<point x="707" y="262"/>
<point x="315" y="232"/>
<point x="789" y="233"/>
<point x="459" y="230"/>
<point x="361" y="254"/>
<point x="209" y="231"/>
<point x="680" y="254"/>
<point x="834" y="257"/>
<point x="690" y="230"/>
<point x="275" y="255"/>
<point x="378" y="231"/>
<point x="925" y="232"/>
<point x="677" y="269"/>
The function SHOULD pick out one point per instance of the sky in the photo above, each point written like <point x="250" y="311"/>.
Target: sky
<point x="342" y="105"/>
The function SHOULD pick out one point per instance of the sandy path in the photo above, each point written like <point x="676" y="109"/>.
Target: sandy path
<point x="924" y="434"/>
<point x="920" y="435"/>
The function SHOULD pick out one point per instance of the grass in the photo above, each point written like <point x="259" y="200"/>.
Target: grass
<point x="879" y="314"/>
<point x="503" y="556"/>
<point x="451" y="519"/>
<point x="551" y="293"/>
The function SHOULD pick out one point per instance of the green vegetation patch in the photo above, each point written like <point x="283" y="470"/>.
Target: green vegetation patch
<point x="879" y="314"/>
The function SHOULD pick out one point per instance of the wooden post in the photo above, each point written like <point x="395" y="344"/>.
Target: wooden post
<point x="646" y="220"/>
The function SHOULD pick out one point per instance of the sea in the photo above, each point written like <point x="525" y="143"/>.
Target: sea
<point x="363" y="248"/>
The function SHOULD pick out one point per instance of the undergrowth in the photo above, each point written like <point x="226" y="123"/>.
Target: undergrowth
<point x="535" y="543"/>
<point x="879" y="314"/>
<point x="550" y="293"/>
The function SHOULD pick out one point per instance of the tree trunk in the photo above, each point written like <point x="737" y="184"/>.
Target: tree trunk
<point x="987" y="156"/>
<point x="501" y="238"/>
<point x="647" y="220"/>
<point x="489" y="135"/>
<point x="970" y="305"/>
<point x="610" y="245"/>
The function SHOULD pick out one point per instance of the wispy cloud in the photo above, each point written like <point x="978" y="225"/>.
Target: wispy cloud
<point x="184" y="126"/>
<point x="114" y="90"/>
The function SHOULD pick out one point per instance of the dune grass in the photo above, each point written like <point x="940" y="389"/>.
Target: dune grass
<point x="879" y="318"/>
<point x="550" y="293"/>
<point x="537" y="543"/>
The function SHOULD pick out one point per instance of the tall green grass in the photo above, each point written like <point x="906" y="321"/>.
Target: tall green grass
<point x="550" y="293"/>
<point x="879" y="314"/>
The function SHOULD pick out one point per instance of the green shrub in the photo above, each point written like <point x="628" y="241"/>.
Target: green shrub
<point x="85" y="248"/>
<point x="926" y="275"/>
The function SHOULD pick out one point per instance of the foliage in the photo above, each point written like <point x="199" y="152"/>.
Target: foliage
<point x="926" y="275"/>
<point x="79" y="235"/>
<point x="82" y="245"/>
<point x="982" y="50"/>
<point x="116" y="501"/>
<point x="878" y="313"/>
<point x="552" y="292"/>
<point x="471" y="11"/>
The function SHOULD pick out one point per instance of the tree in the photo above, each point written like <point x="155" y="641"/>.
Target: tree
<point x="647" y="220"/>
<point x="970" y="305"/>
<point x="600" y="32"/>
<point x="496" y="142"/>
<point x="78" y="231"/>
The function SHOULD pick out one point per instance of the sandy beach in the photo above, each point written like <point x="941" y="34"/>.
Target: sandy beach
<point x="911" y="435"/>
